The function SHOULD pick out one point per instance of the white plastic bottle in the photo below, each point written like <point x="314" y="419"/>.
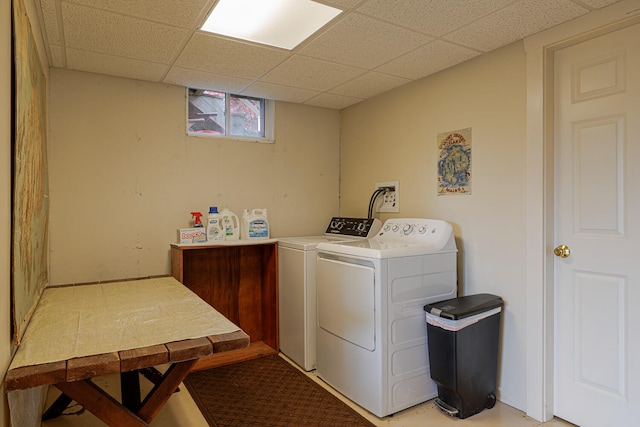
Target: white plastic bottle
<point x="214" y="225"/>
<point x="255" y="224"/>
<point x="230" y="225"/>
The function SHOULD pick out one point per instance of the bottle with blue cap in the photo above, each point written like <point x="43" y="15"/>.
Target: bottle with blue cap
<point x="214" y="225"/>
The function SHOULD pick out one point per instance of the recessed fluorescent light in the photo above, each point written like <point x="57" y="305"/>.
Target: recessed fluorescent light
<point x="281" y="23"/>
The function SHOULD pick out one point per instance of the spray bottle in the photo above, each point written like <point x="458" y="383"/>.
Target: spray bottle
<point x="196" y="219"/>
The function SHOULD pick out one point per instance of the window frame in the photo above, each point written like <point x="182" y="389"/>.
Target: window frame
<point x="267" y="119"/>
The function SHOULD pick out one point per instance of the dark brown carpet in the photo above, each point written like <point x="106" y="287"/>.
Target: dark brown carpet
<point x="267" y="392"/>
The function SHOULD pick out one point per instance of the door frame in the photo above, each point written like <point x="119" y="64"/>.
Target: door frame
<point x="540" y="49"/>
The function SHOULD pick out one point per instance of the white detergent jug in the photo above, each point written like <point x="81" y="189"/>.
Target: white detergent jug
<point x="214" y="226"/>
<point x="255" y="224"/>
<point x="230" y="225"/>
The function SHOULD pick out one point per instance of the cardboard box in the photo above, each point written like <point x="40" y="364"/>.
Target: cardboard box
<point x="192" y="235"/>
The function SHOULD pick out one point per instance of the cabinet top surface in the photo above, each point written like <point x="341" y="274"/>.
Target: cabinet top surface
<point x="223" y="243"/>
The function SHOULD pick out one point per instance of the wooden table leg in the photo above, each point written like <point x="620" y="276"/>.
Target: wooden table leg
<point x="153" y="375"/>
<point x="162" y="392"/>
<point x="114" y="413"/>
<point x="57" y="407"/>
<point x="130" y="390"/>
<point x="100" y="404"/>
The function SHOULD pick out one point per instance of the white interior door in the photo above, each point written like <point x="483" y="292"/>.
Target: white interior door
<point x="597" y="181"/>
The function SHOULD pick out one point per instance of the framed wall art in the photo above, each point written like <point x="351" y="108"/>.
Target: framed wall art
<point x="454" y="162"/>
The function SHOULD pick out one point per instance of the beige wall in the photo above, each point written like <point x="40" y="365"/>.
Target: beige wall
<point x="393" y="137"/>
<point x="124" y="176"/>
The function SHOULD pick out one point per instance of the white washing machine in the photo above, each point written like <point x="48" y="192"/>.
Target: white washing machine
<point x="297" y="285"/>
<point x="372" y="336"/>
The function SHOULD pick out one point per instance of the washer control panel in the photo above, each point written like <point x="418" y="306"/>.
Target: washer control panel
<point x="357" y="227"/>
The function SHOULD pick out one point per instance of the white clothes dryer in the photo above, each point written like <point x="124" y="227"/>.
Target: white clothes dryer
<point x="297" y="285"/>
<point x="372" y="336"/>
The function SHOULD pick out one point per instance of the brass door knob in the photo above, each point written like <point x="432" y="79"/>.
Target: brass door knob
<point x="562" y="251"/>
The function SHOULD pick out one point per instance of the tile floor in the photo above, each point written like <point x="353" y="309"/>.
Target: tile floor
<point x="181" y="411"/>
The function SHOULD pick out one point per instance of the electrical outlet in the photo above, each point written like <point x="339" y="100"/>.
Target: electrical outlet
<point x="389" y="201"/>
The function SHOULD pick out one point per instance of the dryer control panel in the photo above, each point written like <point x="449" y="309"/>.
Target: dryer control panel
<point x="357" y="227"/>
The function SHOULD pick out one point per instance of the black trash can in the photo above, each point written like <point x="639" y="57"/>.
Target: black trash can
<point x="464" y="335"/>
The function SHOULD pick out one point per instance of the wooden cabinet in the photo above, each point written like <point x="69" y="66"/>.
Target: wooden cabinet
<point x="241" y="282"/>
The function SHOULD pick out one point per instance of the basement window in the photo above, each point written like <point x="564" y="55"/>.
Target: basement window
<point x="213" y="113"/>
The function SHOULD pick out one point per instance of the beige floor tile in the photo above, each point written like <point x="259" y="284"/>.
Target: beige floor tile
<point x="181" y="411"/>
<point x="427" y="414"/>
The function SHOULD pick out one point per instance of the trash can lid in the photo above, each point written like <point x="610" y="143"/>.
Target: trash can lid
<point x="461" y="307"/>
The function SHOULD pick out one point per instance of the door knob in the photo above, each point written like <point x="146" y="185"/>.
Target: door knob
<point x="562" y="251"/>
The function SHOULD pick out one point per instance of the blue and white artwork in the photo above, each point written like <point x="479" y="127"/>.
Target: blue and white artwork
<point x="454" y="162"/>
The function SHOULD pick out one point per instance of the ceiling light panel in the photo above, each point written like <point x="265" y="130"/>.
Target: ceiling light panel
<point x="280" y="23"/>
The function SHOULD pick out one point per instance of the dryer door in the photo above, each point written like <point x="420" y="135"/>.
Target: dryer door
<point x="346" y="301"/>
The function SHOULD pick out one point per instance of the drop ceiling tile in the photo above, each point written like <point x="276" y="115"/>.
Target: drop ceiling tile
<point x="428" y="59"/>
<point x="515" y="22"/>
<point x="204" y="80"/>
<point x="340" y="4"/>
<point x="363" y="42"/>
<point x="434" y="17"/>
<point x="114" y="65"/>
<point x="335" y="102"/>
<point x="182" y="13"/>
<point x="114" y="34"/>
<point x="207" y="52"/>
<point x="279" y="92"/>
<point x="50" y="18"/>
<point x="310" y="73"/>
<point x="369" y="84"/>
<point x="136" y="38"/>
<point x="597" y="4"/>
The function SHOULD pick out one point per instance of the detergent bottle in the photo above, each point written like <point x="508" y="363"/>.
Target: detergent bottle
<point x="214" y="225"/>
<point x="255" y="224"/>
<point x="230" y="225"/>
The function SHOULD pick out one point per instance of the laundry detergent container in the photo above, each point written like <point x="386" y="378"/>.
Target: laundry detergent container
<point x="463" y="339"/>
